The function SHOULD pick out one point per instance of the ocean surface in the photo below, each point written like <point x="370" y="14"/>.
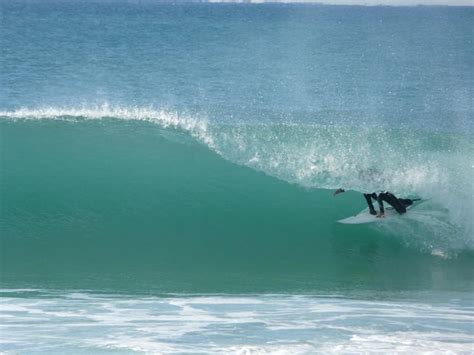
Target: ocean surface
<point x="167" y="177"/>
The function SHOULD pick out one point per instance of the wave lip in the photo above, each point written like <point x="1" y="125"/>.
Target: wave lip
<point x="196" y="126"/>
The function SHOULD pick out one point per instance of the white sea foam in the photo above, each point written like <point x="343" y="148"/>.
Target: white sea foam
<point x="192" y="124"/>
<point x="270" y="324"/>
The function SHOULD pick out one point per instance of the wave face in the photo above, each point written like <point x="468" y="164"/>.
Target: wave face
<point x="195" y="148"/>
<point x="128" y="198"/>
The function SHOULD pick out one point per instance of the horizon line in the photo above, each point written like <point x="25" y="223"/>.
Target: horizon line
<point x="361" y="3"/>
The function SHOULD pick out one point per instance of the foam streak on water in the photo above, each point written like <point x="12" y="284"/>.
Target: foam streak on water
<point x="224" y="324"/>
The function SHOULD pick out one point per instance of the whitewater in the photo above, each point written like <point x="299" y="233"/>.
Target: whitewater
<point x="167" y="178"/>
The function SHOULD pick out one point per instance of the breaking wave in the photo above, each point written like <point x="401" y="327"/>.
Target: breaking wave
<point x="156" y="179"/>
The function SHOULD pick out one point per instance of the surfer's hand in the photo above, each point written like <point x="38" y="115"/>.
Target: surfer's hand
<point x="338" y="191"/>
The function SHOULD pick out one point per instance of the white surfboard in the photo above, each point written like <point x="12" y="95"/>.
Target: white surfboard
<point x="365" y="217"/>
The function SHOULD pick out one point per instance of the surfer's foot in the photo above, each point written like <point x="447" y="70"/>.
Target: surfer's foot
<point x="373" y="212"/>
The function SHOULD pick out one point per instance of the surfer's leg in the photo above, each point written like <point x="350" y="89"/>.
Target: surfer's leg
<point x="392" y="201"/>
<point x="406" y="201"/>
<point x="380" y="200"/>
<point x="368" y="198"/>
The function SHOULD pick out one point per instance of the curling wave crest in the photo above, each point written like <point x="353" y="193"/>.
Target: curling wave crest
<point x="435" y="166"/>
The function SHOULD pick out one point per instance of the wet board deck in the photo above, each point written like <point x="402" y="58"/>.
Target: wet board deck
<point x="365" y="217"/>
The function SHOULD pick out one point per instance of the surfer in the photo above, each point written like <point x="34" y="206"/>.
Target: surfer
<point x="399" y="204"/>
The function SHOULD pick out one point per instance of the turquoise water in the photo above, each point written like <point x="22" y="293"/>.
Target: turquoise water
<point x="167" y="175"/>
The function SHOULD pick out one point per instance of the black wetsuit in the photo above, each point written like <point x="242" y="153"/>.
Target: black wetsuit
<point x="399" y="204"/>
<point x="368" y="198"/>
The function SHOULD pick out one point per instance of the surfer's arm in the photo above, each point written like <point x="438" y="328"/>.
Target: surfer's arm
<point x="338" y="191"/>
